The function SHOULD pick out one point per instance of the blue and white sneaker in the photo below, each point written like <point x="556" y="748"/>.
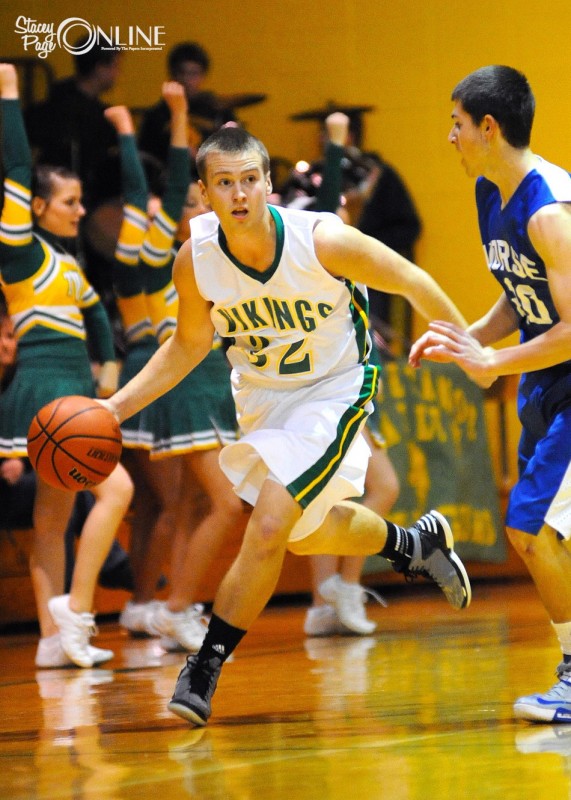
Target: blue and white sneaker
<point x="551" y="706"/>
<point x="544" y="739"/>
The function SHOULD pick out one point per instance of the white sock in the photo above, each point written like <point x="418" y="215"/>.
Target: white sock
<point x="563" y="631"/>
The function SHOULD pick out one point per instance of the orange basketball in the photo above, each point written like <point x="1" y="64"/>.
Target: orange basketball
<point x="74" y="443"/>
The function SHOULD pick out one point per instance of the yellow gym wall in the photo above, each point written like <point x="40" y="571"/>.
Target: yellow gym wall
<point x="403" y="57"/>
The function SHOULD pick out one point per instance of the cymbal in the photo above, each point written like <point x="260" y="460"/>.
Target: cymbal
<point x="231" y="101"/>
<point x="330" y="108"/>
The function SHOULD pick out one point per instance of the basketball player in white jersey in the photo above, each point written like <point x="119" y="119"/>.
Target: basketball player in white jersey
<point x="286" y="287"/>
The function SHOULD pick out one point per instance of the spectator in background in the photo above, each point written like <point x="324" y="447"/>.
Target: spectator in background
<point x="374" y="199"/>
<point x="379" y="204"/>
<point x="188" y="64"/>
<point x="69" y="129"/>
<point x="389" y="215"/>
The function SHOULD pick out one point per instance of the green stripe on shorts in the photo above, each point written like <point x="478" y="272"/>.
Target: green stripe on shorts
<point x="307" y="487"/>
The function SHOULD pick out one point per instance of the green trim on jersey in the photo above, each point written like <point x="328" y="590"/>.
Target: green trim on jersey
<point x="359" y="306"/>
<point x="308" y="485"/>
<point x="262" y="277"/>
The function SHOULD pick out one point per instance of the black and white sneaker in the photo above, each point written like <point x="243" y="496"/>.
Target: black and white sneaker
<point x="434" y="558"/>
<point x="194" y="689"/>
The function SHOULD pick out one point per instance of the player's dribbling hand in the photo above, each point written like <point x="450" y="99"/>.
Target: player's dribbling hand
<point x="108" y="404"/>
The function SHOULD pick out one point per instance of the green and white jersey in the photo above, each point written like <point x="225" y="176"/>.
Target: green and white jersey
<point x="291" y="325"/>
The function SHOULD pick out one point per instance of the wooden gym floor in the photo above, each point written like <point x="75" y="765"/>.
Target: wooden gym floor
<point x="421" y="710"/>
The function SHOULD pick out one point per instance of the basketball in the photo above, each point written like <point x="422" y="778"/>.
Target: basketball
<point x="74" y="443"/>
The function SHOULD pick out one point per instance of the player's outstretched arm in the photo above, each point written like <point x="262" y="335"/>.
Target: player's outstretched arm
<point x="345" y="251"/>
<point x="442" y="342"/>
<point x="445" y="343"/>
<point x="498" y="323"/>
<point x="550" y="232"/>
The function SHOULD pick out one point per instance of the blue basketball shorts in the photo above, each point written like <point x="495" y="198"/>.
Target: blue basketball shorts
<point x="542" y="493"/>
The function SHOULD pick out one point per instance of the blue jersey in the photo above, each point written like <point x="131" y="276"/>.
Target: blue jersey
<point x="510" y="255"/>
<point x="542" y="492"/>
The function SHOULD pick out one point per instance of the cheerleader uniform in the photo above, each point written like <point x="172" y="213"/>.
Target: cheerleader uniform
<point x="51" y="303"/>
<point x="199" y="412"/>
<point x="128" y="288"/>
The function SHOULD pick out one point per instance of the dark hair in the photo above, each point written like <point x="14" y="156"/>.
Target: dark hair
<point x="187" y="51"/>
<point x="85" y="63"/>
<point x="230" y="140"/>
<point x="43" y="179"/>
<point x="194" y="176"/>
<point x="505" y="94"/>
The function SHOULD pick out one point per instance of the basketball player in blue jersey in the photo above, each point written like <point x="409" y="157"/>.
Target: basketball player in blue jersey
<point x="287" y="288"/>
<point x="524" y="212"/>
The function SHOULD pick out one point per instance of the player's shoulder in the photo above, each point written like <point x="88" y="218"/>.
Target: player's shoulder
<point x="183" y="257"/>
<point x="550" y="190"/>
<point x="204" y="225"/>
<point x="551" y="220"/>
<point x="185" y="249"/>
<point x="184" y="270"/>
<point x="556" y="179"/>
<point x="549" y="230"/>
<point x="334" y="242"/>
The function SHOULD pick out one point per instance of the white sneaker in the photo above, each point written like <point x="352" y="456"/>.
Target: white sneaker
<point x="349" y="600"/>
<point x="321" y="621"/>
<point x="137" y="618"/>
<point x="171" y="645"/>
<point x="51" y="655"/>
<point x="180" y="629"/>
<point x="75" y="630"/>
<point x="545" y="739"/>
<point x="71" y="702"/>
<point x="343" y="662"/>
